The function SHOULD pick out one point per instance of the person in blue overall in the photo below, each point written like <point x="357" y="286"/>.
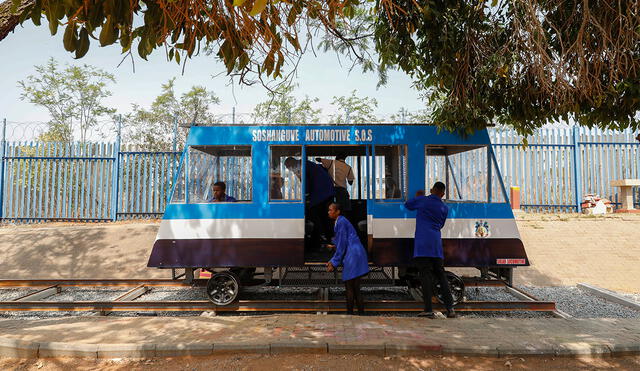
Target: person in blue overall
<point x="427" y="250"/>
<point x="319" y="186"/>
<point x="351" y="255"/>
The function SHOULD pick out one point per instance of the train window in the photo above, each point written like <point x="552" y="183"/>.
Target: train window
<point x="391" y="172"/>
<point x="283" y="183"/>
<point x="178" y="196"/>
<point x="465" y="171"/>
<point x="208" y="165"/>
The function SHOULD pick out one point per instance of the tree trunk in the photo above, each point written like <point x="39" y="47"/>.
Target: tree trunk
<point x="8" y="20"/>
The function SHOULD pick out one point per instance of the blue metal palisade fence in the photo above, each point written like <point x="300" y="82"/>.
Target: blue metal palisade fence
<point x="42" y="181"/>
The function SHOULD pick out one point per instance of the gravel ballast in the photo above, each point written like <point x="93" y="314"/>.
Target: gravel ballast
<point x="580" y="304"/>
<point x="575" y="302"/>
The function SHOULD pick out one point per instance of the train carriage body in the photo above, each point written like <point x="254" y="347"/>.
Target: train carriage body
<point x="269" y="226"/>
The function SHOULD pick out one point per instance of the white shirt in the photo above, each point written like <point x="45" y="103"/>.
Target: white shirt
<point x="339" y="171"/>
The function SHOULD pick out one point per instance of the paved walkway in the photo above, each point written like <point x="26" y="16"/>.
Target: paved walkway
<point x="107" y="337"/>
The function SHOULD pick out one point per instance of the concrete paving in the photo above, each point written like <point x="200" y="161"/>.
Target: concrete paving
<point x="136" y="337"/>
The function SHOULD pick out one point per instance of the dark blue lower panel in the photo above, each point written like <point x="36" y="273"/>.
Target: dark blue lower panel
<point x="207" y="253"/>
<point x="464" y="252"/>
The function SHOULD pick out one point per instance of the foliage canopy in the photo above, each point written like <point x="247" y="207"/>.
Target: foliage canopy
<point x="523" y="63"/>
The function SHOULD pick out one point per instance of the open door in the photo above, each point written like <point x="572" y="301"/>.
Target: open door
<point x="322" y="157"/>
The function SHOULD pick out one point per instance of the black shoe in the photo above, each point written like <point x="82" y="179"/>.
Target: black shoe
<point x="430" y="315"/>
<point x="451" y="313"/>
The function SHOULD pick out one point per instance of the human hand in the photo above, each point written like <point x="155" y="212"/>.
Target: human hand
<point x="330" y="267"/>
<point x="331" y="247"/>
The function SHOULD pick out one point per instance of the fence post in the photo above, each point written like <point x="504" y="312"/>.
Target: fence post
<point x="577" y="168"/>
<point x="2" y="149"/>
<point x="116" y="174"/>
<point x="175" y="134"/>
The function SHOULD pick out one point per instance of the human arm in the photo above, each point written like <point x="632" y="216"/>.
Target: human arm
<point x="340" y="241"/>
<point x="350" y="176"/>
<point x="413" y="203"/>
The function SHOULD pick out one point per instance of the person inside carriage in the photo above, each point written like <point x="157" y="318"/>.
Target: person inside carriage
<point x="319" y="187"/>
<point x="341" y="173"/>
<point x="219" y="193"/>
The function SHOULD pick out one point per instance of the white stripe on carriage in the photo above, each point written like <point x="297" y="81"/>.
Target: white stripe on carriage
<point x="173" y="229"/>
<point x="453" y="228"/>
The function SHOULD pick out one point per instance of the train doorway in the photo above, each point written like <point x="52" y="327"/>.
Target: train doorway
<point x="325" y="161"/>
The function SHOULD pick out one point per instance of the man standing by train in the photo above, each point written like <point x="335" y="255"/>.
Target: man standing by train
<point x="427" y="251"/>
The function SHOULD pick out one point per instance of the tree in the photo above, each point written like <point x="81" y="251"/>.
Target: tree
<point x="403" y="116"/>
<point x="154" y="128"/>
<point x="73" y="96"/>
<point x="283" y="107"/>
<point x="523" y="63"/>
<point x="353" y="109"/>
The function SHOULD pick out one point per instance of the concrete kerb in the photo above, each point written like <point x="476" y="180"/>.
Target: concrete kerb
<point x="15" y="348"/>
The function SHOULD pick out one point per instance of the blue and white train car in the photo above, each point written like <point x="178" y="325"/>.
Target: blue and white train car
<point x="268" y="225"/>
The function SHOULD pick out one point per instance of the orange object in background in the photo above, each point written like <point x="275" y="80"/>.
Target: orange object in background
<point x="514" y="197"/>
<point x="205" y="274"/>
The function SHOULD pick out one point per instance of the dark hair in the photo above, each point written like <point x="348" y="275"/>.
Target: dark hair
<point x="341" y="156"/>
<point x="337" y="206"/>
<point x="221" y="185"/>
<point x="290" y="161"/>
<point x="439" y="186"/>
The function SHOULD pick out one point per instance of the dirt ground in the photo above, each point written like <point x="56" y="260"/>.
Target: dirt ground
<point x="327" y="362"/>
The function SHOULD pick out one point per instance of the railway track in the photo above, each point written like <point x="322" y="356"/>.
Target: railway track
<point x="41" y="291"/>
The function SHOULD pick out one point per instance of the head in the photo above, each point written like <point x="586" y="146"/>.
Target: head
<point x="292" y="164"/>
<point x="219" y="189"/>
<point x="438" y="189"/>
<point x="341" y="156"/>
<point x="334" y="211"/>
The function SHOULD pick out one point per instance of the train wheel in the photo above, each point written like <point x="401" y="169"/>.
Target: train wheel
<point x="456" y="285"/>
<point x="223" y="288"/>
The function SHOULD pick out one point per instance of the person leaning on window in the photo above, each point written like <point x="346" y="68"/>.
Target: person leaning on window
<point x="427" y="251"/>
<point x="219" y="193"/>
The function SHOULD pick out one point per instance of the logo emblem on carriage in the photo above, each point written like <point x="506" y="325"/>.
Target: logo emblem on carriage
<point x="482" y="229"/>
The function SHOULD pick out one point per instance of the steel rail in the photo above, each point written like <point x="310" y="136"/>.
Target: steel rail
<point x="99" y="282"/>
<point x="133" y="282"/>
<point x="267" y="306"/>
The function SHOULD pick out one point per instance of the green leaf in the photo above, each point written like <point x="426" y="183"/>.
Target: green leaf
<point x="83" y="43"/>
<point x="53" y="22"/>
<point x="69" y="40"/>
<point x="238" y="2"/>
<point x="36" y="13"/>
<point x="494" y="2"/>
<point x="258" y="7"/>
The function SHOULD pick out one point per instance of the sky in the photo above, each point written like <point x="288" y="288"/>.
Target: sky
<point x="319" y="76"/>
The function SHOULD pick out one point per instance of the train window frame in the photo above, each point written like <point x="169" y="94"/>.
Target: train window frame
<point x="301" y="184"/>
<point x="249" y="175"/>
<point x="491" y="165"/>
<point x="373" y="176"/>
